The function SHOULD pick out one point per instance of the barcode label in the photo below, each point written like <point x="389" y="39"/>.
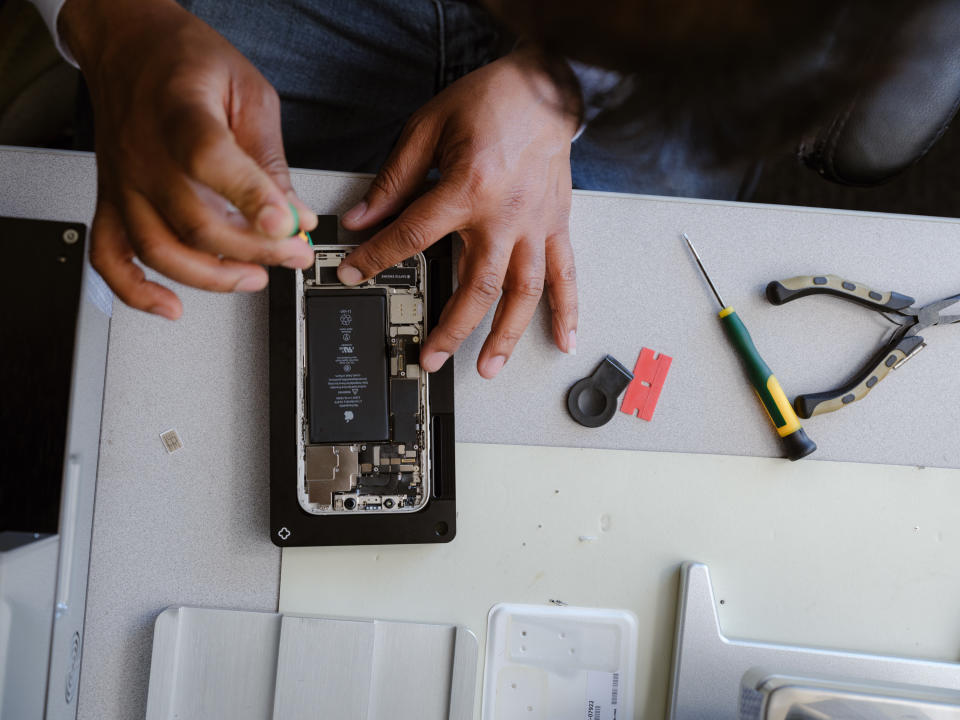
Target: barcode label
<point x="602" y="686"/>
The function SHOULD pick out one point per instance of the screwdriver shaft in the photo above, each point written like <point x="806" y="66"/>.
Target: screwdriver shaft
<point x="696" y="256"/>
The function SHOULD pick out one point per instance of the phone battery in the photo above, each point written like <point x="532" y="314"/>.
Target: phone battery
<point x="346" y="367"/>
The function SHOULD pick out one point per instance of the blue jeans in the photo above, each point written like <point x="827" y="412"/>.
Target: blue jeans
<point x="350" y="72"/>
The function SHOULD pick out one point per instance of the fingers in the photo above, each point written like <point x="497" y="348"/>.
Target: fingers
<point x="561" y="281"/>
<point x="479" y="288"/>
<point x="398" y="179"/>
<point x="203" y="145"/>
<point x="112" y="257"/>
<point x="430" y="217"/>
<point x="160" y="249"/>
<point x="195" y="216"/>
<point x="259" y="134"/>
<point x="522" y="289"/>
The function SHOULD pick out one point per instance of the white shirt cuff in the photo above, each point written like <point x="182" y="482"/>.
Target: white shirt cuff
<point x="50" y="11"/>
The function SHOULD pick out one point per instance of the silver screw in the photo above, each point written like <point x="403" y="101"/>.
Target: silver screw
<point x="70" y="236"/>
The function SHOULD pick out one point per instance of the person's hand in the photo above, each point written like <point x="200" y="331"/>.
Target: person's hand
<point x="187" y="133"/>
<point x="500" y="138"/>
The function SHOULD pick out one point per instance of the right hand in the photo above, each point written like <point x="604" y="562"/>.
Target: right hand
<point x="185" y="127"/>
<point x="500" y="137"/>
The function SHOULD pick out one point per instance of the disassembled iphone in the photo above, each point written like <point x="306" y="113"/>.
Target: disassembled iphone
<point x="366" y="447"/>
<point x="364" y="443"/>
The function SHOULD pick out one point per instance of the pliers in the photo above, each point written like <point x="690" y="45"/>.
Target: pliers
<point x="902" y="345"/>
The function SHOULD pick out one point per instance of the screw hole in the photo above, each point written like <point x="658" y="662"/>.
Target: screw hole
<point x="562" y="635"/>
<point x="723" y="602"/>
<point x="529" y="708"/>
<point x="513" y="685"/>
<point x="441" y="528"/>
<point x="523" y="648"/>
<point x="524" y="633"/>
<point x="572" y="651"/>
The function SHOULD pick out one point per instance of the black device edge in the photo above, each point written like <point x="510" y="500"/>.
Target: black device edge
<point x="290" y="524"/>
<point x="48" y="427"/>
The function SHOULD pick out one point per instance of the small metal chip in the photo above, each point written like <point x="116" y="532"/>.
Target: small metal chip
<point x="171" y="441"/>
<point x="405" y="309"/>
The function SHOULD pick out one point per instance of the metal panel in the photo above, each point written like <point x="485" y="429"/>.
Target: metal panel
<point x="27" y="578"/>
<point x="213" y="664"/>
<point x="258" y="666"/>
<point x="707" y="666"/>
<point x="323" y="669"/>
<point x="76" y="515"/>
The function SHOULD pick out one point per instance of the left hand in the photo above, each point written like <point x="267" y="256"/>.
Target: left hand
<point x="500" y="137"/>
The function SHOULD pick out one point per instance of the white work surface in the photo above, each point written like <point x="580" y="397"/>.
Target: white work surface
<point x="822" y="553"/>
<point x="191" y="528"/>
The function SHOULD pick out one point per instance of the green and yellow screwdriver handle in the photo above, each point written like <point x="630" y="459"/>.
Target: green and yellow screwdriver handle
<point x="902" y="345"/>
<point x="795" y="442"/>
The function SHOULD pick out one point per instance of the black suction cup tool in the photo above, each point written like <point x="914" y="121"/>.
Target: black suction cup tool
<point x="593" y="400"/>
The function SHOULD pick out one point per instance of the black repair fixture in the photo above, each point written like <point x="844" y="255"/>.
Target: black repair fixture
<point x="290" y="525"/>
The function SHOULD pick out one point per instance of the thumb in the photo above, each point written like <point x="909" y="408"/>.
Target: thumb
<point x="399" y="178"/>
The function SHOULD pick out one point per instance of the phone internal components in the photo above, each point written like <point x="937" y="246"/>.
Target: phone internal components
<point x="346" y="367"/>
<point x="365" y="445"/>
<point x="404" y="407"/>
<point x="330" y="470"/>
<point x="400" y="276"/>
<point x="405" y="309"/>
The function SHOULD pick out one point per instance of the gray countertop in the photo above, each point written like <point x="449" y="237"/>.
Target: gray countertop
<point x="190" y="528"/>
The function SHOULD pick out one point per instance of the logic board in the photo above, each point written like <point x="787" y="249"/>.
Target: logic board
<point x="363" y="445"/>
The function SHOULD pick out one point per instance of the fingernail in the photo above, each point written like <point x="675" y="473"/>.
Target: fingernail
<point x="162" y="311"/>
<point x="494" y="365"/>
<point x="251" y="283"/>
<point x="431" y="362"/>
<point x="349" y="275"/>
<point x="572" y="343"/>
<point x="356" y="212"/>
<point x="298" y="262"/>
<point x="274" y="221"/>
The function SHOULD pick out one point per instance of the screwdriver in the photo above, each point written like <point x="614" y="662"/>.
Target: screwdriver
<point x="795" y="442"/>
